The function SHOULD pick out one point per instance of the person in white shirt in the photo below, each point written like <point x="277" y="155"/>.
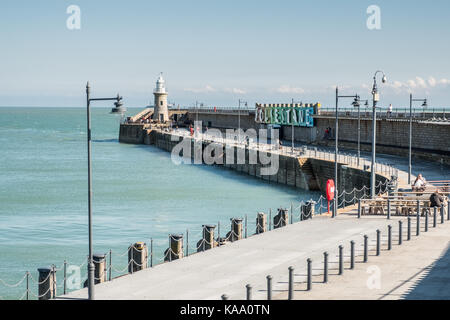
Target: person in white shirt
<point x="419" y="184"/>
<point x="390" y="110"/>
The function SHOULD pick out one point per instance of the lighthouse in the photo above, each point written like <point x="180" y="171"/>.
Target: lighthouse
<point x="161" y="113"/>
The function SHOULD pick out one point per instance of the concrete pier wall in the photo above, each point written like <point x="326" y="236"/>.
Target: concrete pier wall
<point x="302" y="173"/>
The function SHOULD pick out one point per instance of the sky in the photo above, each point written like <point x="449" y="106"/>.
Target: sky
<point x="217" y="52"/>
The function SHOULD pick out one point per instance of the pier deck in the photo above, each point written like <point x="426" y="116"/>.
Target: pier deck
<point x="227" y="269"/>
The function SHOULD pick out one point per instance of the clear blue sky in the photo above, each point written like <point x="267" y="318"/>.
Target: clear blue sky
<point x="218" y="52"/>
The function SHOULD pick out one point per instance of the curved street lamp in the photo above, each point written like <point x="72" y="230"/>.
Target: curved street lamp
<point x="117" y="109"/>
<point x="376" y="98"/>
<point x="424" y="105"/>
<point x="356" y="97"/>
<point x="357" y="104"/>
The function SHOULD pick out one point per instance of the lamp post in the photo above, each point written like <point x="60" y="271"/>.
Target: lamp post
<point x="357" y="104"/>
<point x="424" y="105"/>
<point x="336" y="195"/>
<point x="239" y="118"/>
<point x="117" y="109"/>
<point x="376" y="98"/>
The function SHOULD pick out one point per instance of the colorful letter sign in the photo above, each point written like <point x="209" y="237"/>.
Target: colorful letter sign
<point x="286" y="114"/>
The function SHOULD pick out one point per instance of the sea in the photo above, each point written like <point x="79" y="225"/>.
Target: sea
<point x="139" y="194"/>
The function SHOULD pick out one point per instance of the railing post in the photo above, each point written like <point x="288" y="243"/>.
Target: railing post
<point x="418" y="219"/>
<point x="389" y="237"/>
<point x="151" y="252"/>
<point x="359" y="208"/>
<point x="187" y="243"/>
<point x="65" y="277"/>
<point x="270" y="219"/>
<point x="409" y="229"/>
<point x="309" y="274"/>
<point x="400" y="232"/>
<point x="269" y="287"/>
<point x="246" y="226"/>
<point x="249" y="292"/>
<point x="110" y="265"/>
<point x="341" y="259"/>
<point x="434" y="217"/>
<point x="378" y="242"/>
<point x="366" y="253"/>
<point x="352" y="254"/>
<point x="325" y="267"/>
<point x="218" y="231"/>
<point x="28" y="285"/>
<point x="291" y="283"/>
<point x="389" y="209"/>
<point x="448" y="210"/>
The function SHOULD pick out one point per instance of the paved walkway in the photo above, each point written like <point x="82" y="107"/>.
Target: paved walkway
<point x="417" y="269"/>
<point x="227" y="269"/>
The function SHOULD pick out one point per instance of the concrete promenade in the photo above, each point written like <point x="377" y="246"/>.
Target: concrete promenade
<point x="227" y="269"/>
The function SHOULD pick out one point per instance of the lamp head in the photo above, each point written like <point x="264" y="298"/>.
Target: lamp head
<point x="384" y="79"/>
<point x="367" y="103"/>
<point x="425" y="104"/>
<point x="356" y="102"/>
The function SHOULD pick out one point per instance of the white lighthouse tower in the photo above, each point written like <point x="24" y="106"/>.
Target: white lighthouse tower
<point x="161" y="113"/>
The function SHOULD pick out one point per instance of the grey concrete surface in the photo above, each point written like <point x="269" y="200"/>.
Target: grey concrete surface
<point x="227" y="269"/>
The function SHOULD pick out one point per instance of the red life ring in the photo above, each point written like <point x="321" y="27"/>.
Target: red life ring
<point x="330" y="189"/>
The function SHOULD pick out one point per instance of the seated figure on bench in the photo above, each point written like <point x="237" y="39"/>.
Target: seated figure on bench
<point x="420" y="184"/>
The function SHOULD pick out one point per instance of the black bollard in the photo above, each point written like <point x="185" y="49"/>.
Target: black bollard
<point x="448" y="210"/>
<point x="249" y="292"/>
<point x="269" y="287"/>
<point x="442" y="214"/>
<point x="366" y="253"/>
<point x="400" y="232"/>
<point x="389" y="237"/>
<point x="426" y="221"/>
<point x="378" y="242"/>
<point x="309" y="274"/>
<point x="352" y="254"/>
<point x="359" y="208"/>
<point x="341" y="259"/>
<point x="418" y="219"/>
<point x="389" y="209"/>
<point x="409" y="229"/>
<point x="325" y="267"/>
<point x="291" y="283"/>
<point x="434" y="217"/>
<point x="224" y="297"/>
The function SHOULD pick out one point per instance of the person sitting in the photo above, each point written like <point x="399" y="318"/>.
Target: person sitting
<point x="436" y="200"/>
<point x="419" y="184"/>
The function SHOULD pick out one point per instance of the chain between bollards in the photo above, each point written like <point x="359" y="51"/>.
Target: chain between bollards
<point x="291" y="283"/>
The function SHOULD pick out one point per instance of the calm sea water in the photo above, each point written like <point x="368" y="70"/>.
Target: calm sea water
<point x="138" y="194"/>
